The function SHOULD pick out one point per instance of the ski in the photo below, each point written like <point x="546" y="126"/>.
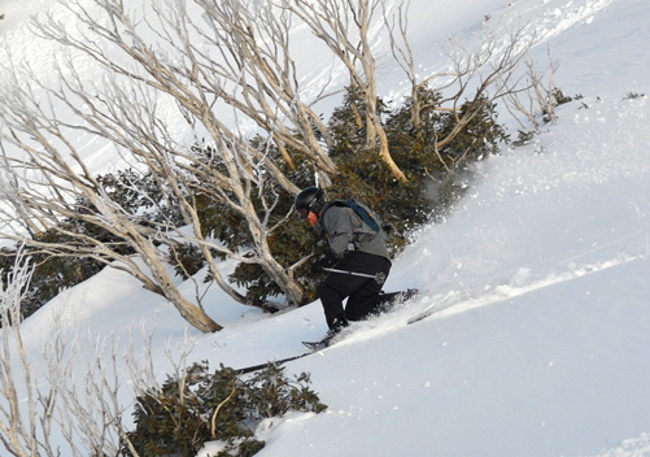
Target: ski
<point x="428" y="312"/>
<point x="315" y="346"/>
<point x="253" y="368"/>
<point x="419" y="317"/>
<point x="330" y="338"/>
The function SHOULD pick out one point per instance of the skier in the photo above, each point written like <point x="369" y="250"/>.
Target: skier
<point x="357" y="244"/>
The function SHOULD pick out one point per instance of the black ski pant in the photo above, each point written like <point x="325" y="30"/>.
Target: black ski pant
<point x="362" y="293"/>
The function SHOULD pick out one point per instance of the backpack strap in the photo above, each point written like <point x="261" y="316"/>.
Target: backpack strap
<point x="366" y="215"/>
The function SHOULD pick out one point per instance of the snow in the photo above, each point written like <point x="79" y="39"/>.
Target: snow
<point x="538" y="342"/>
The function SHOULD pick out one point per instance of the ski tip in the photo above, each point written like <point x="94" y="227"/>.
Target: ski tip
<point x="316" y="345"/>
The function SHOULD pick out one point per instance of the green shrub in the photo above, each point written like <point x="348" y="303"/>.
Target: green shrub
<point x="186" y="259"/>
<point x="51" y="274"/>
<point x="413" y="147"/>
<point x="201" y="406"/>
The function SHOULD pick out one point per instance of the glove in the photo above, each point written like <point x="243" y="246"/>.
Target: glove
<point x="316" y="267"/>
<point x="326" y="261"/>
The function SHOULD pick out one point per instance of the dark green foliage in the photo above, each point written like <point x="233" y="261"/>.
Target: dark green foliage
<point x="217" y="218"/>
<point x="633" y="96"/>
<point x="413" y="147"/>
<point x="185" y="413"/>
<point x="52" y="274"/>
<point x="347" y="125"/>
<point x="555" y="98"/>
<point x="222" y="223"/>
<point x="559" y="96"/>
<point x="291" y="240"/>
<point x="187" y="259"/>
<point x="288" y="239"/>
<point x="523" y="138"/>
<point x="141" y="195"/>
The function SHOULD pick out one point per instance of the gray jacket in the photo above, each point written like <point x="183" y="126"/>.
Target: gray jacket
<point x="346" y="231"/>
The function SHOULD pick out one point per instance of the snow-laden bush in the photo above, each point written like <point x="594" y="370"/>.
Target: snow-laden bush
<point x="200" y="406"/>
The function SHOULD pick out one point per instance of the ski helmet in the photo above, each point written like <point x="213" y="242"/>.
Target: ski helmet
<point x="311" y="199"/>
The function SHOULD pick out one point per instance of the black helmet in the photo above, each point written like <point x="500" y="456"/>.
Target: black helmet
<point x="310" y="199"/>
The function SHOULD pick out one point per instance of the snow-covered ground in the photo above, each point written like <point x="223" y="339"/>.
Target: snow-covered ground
<point x="539" y="340"/>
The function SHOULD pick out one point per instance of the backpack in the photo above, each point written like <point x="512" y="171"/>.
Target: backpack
<point x="366" y="215"/>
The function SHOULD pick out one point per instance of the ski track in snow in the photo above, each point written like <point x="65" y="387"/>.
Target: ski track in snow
<point x="453" y="303"/>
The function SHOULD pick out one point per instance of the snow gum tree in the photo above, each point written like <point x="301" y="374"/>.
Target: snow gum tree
<point x="123" y="109"/>
<point x="191" y="62"/>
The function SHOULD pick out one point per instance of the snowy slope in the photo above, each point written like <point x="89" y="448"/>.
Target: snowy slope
<point x="539" y="340"/>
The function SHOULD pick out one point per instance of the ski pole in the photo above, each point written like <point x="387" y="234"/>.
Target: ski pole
<point x="379" y="277"/>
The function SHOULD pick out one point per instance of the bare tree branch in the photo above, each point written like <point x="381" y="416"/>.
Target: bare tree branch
<point x="345" y="27"/>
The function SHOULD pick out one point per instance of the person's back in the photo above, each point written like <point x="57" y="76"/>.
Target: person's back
<point x="347" y="231"/>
